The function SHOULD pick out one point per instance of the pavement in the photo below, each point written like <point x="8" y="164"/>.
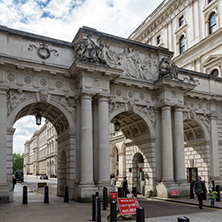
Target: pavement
<point x="58" y="211"/>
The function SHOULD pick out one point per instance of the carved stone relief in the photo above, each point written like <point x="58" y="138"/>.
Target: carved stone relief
<point x="16" y="97"/>
<point x="43" y="50"/>
<point x="149" y="111"/>
<point x="114" y="105"/>
<point x="168" y="69"/>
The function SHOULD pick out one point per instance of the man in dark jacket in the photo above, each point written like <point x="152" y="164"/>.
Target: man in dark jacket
<point x="200" y="190"/>
<point x="124" y="185"/>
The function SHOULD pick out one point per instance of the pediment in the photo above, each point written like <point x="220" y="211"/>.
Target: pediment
<point x="211" y="59"/>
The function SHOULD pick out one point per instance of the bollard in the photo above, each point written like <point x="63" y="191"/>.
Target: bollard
<point x="191" y="191"/>
<point x="25" y="195"/>
<point x="134" y="191"/>
<point x="104" y="198"/>
<point x="140" y="216"/>
<point x="120" y="192"/>
<point x="218" y="193"/>
<point x="97" y="194"/>
<point x="183" y="219"/>
<point x="66" y="194"/>
<point x="113" y="214"/>
<point x="46" y="195"/>
<point x="98" y="210"/>
<point x="93" y="207"/>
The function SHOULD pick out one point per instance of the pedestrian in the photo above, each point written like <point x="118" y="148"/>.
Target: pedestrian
<point x="13" y="182"/>
<point x="124" y="186"/>
<point x="113" y="181"/>
<point x="212" y="195"/>
<point x="200" y="190"/>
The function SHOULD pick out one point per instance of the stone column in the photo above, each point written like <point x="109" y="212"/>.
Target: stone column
<point x="103" y="141"/>
<point x="86" y="143"/>
<point x="214" y="152"/>
<point x="167" y="145"/>
<point x="179" y="161"/>
<point x="5" y="172"/>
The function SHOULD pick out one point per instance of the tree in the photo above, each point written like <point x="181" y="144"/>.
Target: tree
<point x="17" y="162"/>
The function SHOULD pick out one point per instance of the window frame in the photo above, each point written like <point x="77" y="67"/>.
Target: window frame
<point x="182" y="48"/>
<point x="212" y="27"/>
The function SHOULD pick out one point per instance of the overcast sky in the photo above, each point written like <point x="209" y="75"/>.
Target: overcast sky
<point x="61" y="19"/>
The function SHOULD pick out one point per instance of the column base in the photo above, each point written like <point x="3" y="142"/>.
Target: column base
<point x="6" y="195"/>
<point x="163" y="188"/>
<point x="83" y="193"/>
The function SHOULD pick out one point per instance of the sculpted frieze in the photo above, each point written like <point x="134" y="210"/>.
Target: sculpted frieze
<point x="16" y="97"/>
<point x="114" y="105"/>
<point x="134" y="63"/>
<point x="168" y="69"/>
<point x="149" y="111"/>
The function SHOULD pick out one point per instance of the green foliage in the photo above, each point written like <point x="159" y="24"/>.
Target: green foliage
<point x="17" y="162"/>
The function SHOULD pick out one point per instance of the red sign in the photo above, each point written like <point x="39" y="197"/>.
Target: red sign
<point x="174" y="192"/>
<point x="113" y="195"/>
<point x="128" y="205"/>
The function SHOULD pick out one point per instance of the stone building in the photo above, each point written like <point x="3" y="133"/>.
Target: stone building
<point x="170" y="118"/>
<point x="192" y="29"/>
<point x="41" y="151"/>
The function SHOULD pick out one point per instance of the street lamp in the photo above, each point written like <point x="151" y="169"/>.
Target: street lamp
<point x="38" y="119"/>
<point x="117" y="125"/>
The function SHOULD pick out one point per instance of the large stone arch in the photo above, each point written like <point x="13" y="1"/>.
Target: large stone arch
<point x="64" y="122"/>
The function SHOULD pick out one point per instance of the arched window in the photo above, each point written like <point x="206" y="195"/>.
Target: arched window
<point x="215" y="73"/>
<point x="212" y="23"/>
<point x="182" y="44"/>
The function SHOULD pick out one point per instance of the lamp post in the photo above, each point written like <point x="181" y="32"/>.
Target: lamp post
<point x="38" y="119"/>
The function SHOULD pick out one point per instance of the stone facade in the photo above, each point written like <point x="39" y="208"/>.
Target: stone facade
<point x="191" y="29"/>
<point x="98" y="79"/>
<point x="41" y="152"/>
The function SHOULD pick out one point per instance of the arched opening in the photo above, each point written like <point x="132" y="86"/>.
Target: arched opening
<point x="136" y="151"/>
<point x="196" y="151"/>
<point x="215" y="73"/>
<point x="53" y="141"/>
<point x="138" y="172"/>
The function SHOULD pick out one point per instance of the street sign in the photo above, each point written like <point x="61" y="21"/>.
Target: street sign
<point x="113" y="195"/>
<point x="128" y="205"/>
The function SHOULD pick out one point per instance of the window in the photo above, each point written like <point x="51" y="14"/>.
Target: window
<point x="212" y="23"/>
<point x="215" y="73"/>
<point x="158" y="40"/>
<point x="181" y="21"/>
<point x="182" y="44"/>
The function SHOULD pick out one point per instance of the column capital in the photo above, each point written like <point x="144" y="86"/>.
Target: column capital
<point x="166" y="107"/>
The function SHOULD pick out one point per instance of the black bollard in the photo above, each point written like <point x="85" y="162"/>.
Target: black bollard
<point x="25" y="195"/>
<point x="120" y="192"/>
<point x="97" y="194"/>
<point x="104" y="198"/>
<point x="66" y="194"/>
<point x="93" y="207"/>
<point x="134" y="191"/>
<point x="140" y="216"/>
<point x="191" y="191"/>
<point x="218" y="193"/>
<point x="46" y="195"/>
<point x="113" y="214"/>
<point x="98" y="210"/>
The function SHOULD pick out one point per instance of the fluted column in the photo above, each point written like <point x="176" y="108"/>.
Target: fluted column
<point x="86" y="143"/>
<point x="179" y="145"/>
<point x="103" y="141"/>
<point x="167" y="145"/>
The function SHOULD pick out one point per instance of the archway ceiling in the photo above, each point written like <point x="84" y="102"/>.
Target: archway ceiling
<point x="51" y="113"/>
<point x="192" y="130"/>
<point x="131" y="125"/>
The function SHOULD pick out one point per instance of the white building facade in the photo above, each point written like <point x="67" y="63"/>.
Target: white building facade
<point x="192" y="29"/>
<point x="41" y="152"/>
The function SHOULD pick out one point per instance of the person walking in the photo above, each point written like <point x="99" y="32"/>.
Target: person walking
<point x="124" y="186"/>
<point x="13" y="182"/>
<point x="200" y="190"/>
